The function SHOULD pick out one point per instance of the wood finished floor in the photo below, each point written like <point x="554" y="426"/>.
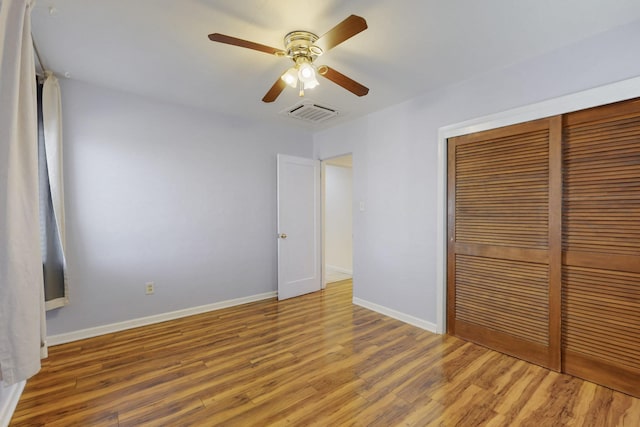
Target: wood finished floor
<point x="311" y="360"/>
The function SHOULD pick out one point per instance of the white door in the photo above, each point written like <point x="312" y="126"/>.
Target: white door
<point x="299" y="245"/>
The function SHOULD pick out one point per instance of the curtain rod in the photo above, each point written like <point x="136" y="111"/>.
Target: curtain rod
<point x="35" y="49"/>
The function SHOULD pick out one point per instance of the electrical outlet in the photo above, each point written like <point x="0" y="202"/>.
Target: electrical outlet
<point x="149" y="288"/>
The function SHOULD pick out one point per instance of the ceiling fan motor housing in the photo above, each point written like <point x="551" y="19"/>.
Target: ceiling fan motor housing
<point x="300" y="46"/>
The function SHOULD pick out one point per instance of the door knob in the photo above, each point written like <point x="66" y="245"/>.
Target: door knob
<point x="283" y="236"/>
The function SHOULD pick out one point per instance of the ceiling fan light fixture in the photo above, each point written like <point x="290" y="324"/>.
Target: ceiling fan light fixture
<point x="306" y="73"/>
<point x="290" y="77"/>
<point x="311" y="84"/>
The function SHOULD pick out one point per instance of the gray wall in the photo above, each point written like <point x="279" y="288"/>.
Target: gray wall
<point x="395" y="161"/>
<point x="182" y="197"/>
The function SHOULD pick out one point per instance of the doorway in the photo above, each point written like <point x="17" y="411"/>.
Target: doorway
<point x="337" y="212"/>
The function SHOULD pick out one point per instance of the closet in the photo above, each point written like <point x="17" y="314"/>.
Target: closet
<point x="544" y="242"/>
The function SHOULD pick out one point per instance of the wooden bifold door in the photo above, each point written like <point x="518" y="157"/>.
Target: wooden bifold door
<point x="544" y="242"/>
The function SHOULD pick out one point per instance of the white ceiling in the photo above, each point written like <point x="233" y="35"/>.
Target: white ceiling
<point x="159" y="48"/>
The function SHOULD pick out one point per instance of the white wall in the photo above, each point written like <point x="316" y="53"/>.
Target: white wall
<point x="182" y="197"/>
<point x="338" y="215"/>
<point x="395" y="161"/>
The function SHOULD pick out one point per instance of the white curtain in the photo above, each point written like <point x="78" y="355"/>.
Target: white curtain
<point x="52" y="121"/>
<point x="22" y="321"/>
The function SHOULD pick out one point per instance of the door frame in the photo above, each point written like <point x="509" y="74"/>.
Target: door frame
<point x="614" y="92"/>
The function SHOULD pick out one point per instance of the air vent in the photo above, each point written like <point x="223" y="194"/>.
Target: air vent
<point x="310" y="112"/>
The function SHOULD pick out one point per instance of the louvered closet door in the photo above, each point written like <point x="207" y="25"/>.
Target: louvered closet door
<point x="504" y="203"/>
<point x="601" y="243"/>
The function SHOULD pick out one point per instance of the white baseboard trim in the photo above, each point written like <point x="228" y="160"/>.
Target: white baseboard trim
<point x="9" y="397"/>
<point x="339" y="269"/>
<point x="157" y="318"/>
<point x="403" y="317"/>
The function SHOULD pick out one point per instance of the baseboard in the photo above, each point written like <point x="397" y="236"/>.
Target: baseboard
<point x="339" y="269"/>
<point x="143" y="321"/>
<point x="9" y="397"/>
<point x="406" y="318"/>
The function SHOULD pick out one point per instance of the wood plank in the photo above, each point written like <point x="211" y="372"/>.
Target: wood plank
<point x="620" y="378"/>
<point x="623" y="109"/>
<point x="452" y="186"/>
<point x="508" y="344"/>
<point x="510" y="253"/>
<point x="555" y="243"/>
<point x="507" y="131"/>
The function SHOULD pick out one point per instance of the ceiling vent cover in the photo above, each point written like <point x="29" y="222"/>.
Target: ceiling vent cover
<point x="310" y="112"/>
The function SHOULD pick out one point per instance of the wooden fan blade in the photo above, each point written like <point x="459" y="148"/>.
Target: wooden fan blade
<point x="341" y="32"/>
<point x="275" y="91"/>
<point x="344" y="81"/>
<point x="221" y="38"/>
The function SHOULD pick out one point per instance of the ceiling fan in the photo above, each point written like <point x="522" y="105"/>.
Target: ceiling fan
<point x="304" y="48"/>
